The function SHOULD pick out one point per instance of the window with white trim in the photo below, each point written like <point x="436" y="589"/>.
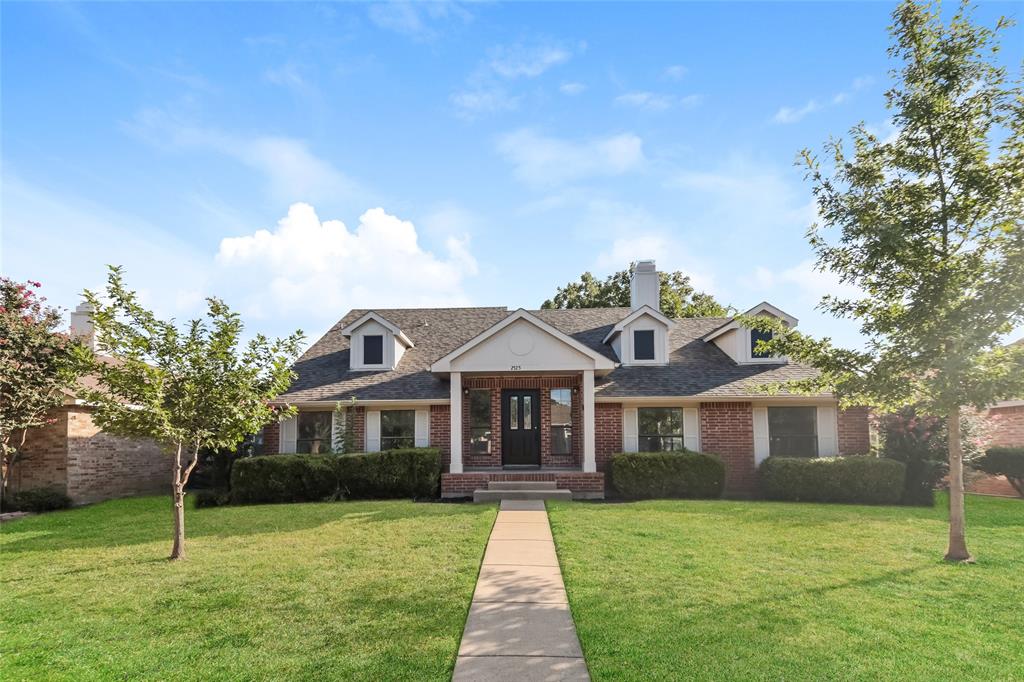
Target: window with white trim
<point x="397" y="429"/>
<point x="793" y="431"/>
<point x="660" y="429"/>
<point x="480" y="420"/>
<point x="643" y="344"/>
<point x="561" y="421"/>
<point x="373" y="349"/>
<point x="314" y="432"/>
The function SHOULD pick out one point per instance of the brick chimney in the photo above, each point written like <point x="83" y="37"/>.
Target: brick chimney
<point x="645" y="286"/>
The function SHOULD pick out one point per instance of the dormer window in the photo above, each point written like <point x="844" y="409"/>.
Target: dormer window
<point x="759" y="335"/>
<point x="643" y="344"/>
<point x="373" y="349"/>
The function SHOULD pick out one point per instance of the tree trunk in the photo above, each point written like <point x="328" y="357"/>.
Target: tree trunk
<point x="957" y="550"/>
<point x="178" y="493"/>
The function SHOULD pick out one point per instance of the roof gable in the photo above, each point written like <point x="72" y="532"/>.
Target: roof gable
<point x="635" y="315"/>
<point x="351" y="328"/>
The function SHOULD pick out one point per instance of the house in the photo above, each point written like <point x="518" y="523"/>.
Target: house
<point x="551" y="395"/>
<point x="73" y="455"/>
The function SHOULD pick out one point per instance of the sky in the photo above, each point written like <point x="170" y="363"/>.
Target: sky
<point x="299" y="160"/>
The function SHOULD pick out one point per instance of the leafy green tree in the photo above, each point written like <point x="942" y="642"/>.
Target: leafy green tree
<point x="929" y="224"/>
<point x="678" y="298"/>
<point x="38" y="367"/>
<point x="191" y="389"/>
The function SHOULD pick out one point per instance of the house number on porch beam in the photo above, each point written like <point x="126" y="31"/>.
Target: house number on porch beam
<point x="515" y="368"/>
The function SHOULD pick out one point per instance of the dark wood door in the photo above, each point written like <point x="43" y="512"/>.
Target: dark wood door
<point x="520" y="427"/>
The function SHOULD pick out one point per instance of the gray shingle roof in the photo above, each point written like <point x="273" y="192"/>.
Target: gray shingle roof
<point x="695" y="369"/>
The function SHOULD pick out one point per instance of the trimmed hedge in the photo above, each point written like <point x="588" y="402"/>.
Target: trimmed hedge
<point x="646" y="475"/>
<point x="413" y="472"/>
<point x="409" y="472"/>
<point x="1004" y="461"/>
<point x="284" y="478"/>
<point x="36" y="500"/>
<point x="859" y="479"/>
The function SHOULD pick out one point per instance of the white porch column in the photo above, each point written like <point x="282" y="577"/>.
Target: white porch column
<point x="456" y="423"/>
<point x="589" y="453"/>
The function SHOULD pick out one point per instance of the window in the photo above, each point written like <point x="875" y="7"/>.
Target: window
<point x="793" y="432"/>
<point x="373" y="349"/>
<point x="513" y="412"/>
<point x="397" y="429"/>
<point x="561" y="421"/>
<point x="660" y="428"/>
<point x="755" y="336"/>
<point x="643" y="344"/>
<point x="480" y="420"/>
<point x="314" y="432"/>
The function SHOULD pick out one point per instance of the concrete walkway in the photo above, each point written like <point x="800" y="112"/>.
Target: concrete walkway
<point x="519" y="626"/>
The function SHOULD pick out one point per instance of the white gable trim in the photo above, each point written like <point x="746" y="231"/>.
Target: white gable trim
<point x="600" y="361"/>
<point x="642" y="310"/>
<point x="762" y="307"/>
<point x="381" y="320"/>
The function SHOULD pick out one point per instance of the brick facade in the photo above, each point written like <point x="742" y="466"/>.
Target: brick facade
<point x="73" y="455"/>
<point x="854" y="431"/>
<point x="441" y="432"/>
<point x="1007" y="425"/>
<point x="727" y="430"/>
<point x="607" y="432"/>
<point x="271" y="441"/>
<point x="543" y="384"/>
<point x="582" y="485"/>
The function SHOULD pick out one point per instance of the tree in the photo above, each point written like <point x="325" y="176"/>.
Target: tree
<point x="678" y="298"/>
<point x="38" y="367"/>
<point x="930" y="226"/>
<point x="189" y="390"/>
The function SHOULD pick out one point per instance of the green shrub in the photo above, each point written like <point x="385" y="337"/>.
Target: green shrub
<point x="36" y="500"/>
<point x="922" y="477"/>
<point x="1004" y="461"/>
<point x="407" y="472"/>
<point x="860" y="479"/>
<point x="284" y="478"/>
<point x="645" y="475"/>
<point x="212" y="498"/>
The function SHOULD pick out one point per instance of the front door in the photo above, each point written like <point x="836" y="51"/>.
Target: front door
<point x="520" y="427"/>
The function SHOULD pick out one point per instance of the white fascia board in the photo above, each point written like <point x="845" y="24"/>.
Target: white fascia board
<point x="600" y="361"/>
<point x="381" y="320"/>
<point x="639" y="312"/>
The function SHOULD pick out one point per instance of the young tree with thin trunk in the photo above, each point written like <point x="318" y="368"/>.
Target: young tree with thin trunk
<point x="39" y="367"/>
<point x="188" y="389"/>
<point x="929" y="225"/>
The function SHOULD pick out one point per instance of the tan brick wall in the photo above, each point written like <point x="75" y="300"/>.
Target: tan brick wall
<point x="1007" y="426"/>
<point x="854" y="431"/>
<point x="44" y="459"/>
<point x="102" y="466"/>
<point x="727" y="430"/>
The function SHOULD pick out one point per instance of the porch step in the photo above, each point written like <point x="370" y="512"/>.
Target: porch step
<point x="522" y="485"/>
<point x="497" y="495"/>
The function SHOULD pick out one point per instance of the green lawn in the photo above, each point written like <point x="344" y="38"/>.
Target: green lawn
<point x="720" y="590"/>
<point x="351" y="590"/>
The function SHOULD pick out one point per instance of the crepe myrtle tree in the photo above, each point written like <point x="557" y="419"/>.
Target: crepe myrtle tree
<point x="677" y="296"/>
<point x="39" y="366"/>
<point x="191" y="389"/>
<point x="929" y="225"/>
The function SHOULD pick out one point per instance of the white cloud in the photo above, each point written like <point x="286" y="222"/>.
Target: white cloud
<point x="653" y="101"/>
<point x="572" y="88"/>
<point x="795" y="114"/>
<point x="526" y="61"/>
<point x="417" y="20"/>
<point x="286" y="75"/>
<point x="676" y="72"/>
<point x="311" y="270"/>
<point x="539" y="160"/>
<point x="471" y="104"/>
<point x="292" y="171"/>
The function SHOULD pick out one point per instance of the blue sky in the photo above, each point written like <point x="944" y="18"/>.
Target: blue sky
<point x="302" y="159"/>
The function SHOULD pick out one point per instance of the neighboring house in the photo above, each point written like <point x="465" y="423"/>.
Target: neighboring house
<point x="74" y="456"/>
<point x="551" y="395"/>
<point x="1006" y="421"/>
